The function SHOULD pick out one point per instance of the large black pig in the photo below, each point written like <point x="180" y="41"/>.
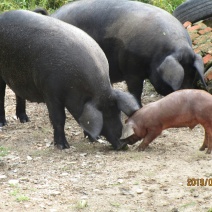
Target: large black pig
<point x="140" y="41"/>
<point x="43" y="59"/>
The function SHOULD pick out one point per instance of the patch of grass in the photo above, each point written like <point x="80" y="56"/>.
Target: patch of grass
<point x="15" y="192"/>
<point x="3" y="151"/>
<point x="19" y="196"/>
<point x="209" y="210"/>
<point x="82" y="204"/>
<point x="22" y="198"/>
<point x="136" y="183"/>
<point x="168" y="5"/>
<point x="190" y="204"/>
<point x="115" y="204"/>
<point x="50" y="5"/>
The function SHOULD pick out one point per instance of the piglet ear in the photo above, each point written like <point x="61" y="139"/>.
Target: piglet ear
<point x="126" y="102"/>
<point x="127" y="131"/>
<point x="91" y="120"/>
<point x="171" y="72"/>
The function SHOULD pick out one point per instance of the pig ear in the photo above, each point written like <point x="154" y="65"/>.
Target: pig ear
<point x="127" y="131"/>
<point x="171" y="72"/>
<point x="199" y="66"/>
<point x="91" y="120"/>
<point x="126" y="102"/>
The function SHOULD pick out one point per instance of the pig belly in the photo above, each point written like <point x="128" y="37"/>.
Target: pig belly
<point x="181" y="123"/>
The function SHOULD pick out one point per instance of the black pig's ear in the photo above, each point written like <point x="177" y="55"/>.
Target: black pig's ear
<point x="199" y="66"/>
<point x="91" y="120"/>
<point x="126" y="102"/>
<point x="171" y="72"/>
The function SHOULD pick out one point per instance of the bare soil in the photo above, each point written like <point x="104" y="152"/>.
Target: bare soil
<point x="34" y="176"/>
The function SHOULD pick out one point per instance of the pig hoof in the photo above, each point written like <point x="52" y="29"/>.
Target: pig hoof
<point x="23" y="118"/>
<point x="141" y="149"/>
<point x="202" y="148"/>
<point x="121" y="146"/>
<point x="63" y="146"/>
<point x="208" y="151"/>
<point x="3" y="123"/>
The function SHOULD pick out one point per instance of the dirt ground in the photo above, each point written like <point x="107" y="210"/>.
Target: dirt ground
<point x="34" y="176"/>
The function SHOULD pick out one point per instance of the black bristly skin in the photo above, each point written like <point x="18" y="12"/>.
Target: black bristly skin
<point x="43" y="59"/>
<point x="140" y="41"/>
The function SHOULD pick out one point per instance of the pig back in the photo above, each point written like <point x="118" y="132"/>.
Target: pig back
<point x="40" y="52"/>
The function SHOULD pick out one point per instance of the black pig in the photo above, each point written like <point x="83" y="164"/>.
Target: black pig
<point x="140" y="41"/>
<point x="43" y="59"/>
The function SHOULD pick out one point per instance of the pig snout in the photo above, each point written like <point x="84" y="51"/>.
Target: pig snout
<point x="128" y="135"/>
<point x="131" y="140"/>
<point x="120" y="145"/>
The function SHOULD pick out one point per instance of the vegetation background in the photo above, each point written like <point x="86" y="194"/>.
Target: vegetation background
<point x="52" y="5"/>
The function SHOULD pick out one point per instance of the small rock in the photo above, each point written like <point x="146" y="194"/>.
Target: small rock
<point x="174" y="210"/>
<point x="196" y="195"/>
<point x="15" y="117"/>
<point x="53" y="210"/>
<point x="139" y="191"/>
<point x="120" y="181"/>
<point x="101" y="141"/>
<point x="55" y="193"/>
<point x="29" y="158"/>
<point x="83" y="154"/>
<point x="64" y="174"/>
<point x="76" y="133"/>
<point x="3" y="176"/>
<point x="126" y="191"/>
<point x="13" y="182"/>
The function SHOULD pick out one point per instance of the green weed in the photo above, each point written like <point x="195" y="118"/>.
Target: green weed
<point x="3" y="151"/>
<point x="52" y="5"/>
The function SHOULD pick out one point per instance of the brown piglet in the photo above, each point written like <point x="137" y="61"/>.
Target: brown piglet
<point x="183" y="108"/>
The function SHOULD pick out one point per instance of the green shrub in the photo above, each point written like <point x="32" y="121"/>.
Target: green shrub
<point x="6" y="5"/>
<point x="51" y="5"/>
<point x="168" y="5"/>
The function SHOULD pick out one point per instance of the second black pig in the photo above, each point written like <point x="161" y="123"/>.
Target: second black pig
<point x="140" y="41"/>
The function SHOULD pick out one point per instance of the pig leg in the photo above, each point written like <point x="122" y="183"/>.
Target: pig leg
<point x="2" y="95"/>
<point x="150" y="136"/>
<point x="205" y="143"/>
<point x="209" y="143"/>
<point x="21" y="109"/>
<point x="57" y="117"/>
<point x="135" y="87"/>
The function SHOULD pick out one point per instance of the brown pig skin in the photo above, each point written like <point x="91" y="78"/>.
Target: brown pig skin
<point x="183" y="108"/>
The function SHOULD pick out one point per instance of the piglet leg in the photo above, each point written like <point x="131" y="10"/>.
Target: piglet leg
<point x="205" y="143"/>
<point x="209" y="143"/>
<point x="151" y="135"/>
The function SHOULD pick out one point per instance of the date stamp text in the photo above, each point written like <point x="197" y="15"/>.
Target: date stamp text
<point x="199" y="182"/>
